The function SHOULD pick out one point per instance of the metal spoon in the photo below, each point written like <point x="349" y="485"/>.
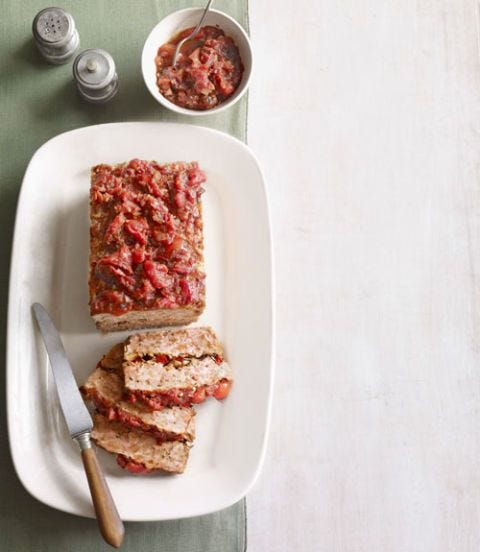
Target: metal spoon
<point x="195" y="31"/>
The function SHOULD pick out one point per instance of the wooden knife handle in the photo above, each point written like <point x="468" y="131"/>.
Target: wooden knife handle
<point x="109" y="522"/>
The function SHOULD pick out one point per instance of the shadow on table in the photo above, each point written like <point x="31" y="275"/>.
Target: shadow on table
<point x="132" y="102"/>
<point x="28" y="54"/>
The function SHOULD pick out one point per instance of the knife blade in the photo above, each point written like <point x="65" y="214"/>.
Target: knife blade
<point x="79" y="423"/>
<point x="74" y="410"/>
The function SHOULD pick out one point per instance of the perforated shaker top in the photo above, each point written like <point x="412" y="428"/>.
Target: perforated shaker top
<point x="53" y="25"/>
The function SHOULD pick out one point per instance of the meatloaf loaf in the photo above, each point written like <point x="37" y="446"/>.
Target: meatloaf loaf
<point x="146" y="245"/>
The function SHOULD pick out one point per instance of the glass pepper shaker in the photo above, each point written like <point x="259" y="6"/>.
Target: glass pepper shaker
<point x="95" y="74"/>
<point x="55" y="35"/>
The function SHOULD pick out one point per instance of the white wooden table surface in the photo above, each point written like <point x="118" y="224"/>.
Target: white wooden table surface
<point x="366" y="118"/>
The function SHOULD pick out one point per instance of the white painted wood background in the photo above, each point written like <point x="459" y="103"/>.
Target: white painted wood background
<point x="366" y="118"/>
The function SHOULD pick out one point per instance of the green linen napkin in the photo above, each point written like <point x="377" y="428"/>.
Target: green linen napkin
<point x="39" y="101"/>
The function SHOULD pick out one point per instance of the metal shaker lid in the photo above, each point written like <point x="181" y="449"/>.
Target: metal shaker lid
<point x="53" y="26"/>
<point x="94" y="69"/>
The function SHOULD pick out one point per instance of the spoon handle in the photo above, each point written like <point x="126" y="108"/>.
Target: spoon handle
<point x="200" y="23"/>
<point x="195" y="31"/>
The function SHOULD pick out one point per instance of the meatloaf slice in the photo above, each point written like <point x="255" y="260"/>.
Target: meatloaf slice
<point x="105" y="389"/>
<point x="187" y="342"/>
<point x="175" y="367"/>
<point x="139" y="452"/>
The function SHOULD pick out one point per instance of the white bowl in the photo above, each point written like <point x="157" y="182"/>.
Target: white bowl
<point x="172" y="25"/>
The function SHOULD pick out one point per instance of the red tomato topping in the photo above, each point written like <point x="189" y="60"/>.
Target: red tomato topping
<point x="131" y="465"/>
<point x="138" y="229"/>
<point x="138" y="255"/>
<point x="158" y="274"/>
<point x="146" y="233"/>
<point x="199" y="396"/>
<point x="121" y="259"/>
<point x="111" y="301"/>
<point x="173" y="248"/>
<point x="222" y="390"/>
<point x="181" y="397"/>
<point x="113" y="231"/>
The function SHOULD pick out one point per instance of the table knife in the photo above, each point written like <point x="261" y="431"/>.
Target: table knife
<point x="79" y="423"/>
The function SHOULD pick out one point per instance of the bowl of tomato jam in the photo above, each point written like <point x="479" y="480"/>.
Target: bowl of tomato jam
<point x="212" y="71"/>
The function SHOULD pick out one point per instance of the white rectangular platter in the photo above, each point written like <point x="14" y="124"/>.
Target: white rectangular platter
<point x="49" y="265"/>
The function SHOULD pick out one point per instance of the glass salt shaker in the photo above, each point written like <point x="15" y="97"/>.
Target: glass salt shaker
<point x="55" y="35"/>
<point x="95" y="74"/>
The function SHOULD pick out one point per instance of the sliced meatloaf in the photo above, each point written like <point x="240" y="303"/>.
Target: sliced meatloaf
<point x="137" y="451"/>
<point x="175" y="367"/>
<point x="105" y="389"/>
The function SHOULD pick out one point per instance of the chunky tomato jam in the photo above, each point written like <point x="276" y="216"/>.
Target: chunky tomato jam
<point x="146" y="237"/>
<point x="131" y="465"/>
<point x="181" y="397"/>
<point x="207" y="72"/>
